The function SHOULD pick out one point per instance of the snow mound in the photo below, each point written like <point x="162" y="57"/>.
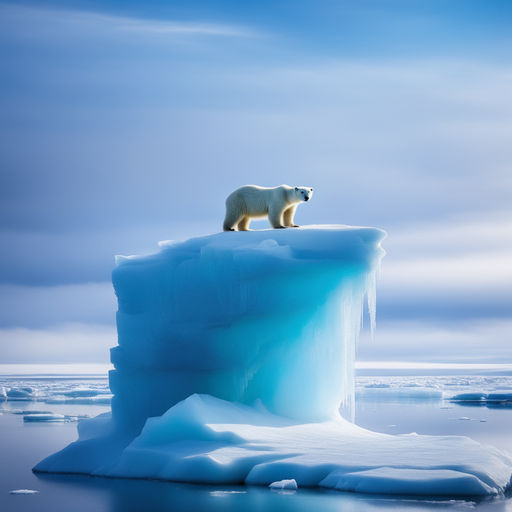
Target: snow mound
<point x="409" y="481"/>
<point x="204" y="439"/>
<point x="284" y="484"/>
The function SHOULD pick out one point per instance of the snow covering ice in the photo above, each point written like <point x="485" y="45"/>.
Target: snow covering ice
<point x="235" y="358"/>
<point x="20" y="394"/>
<point x="284" y="484"/>
<point x="45" y="418"/>
<point x="399" y="394"/>
<point x="56" y="392"/>
<point x="491" y="400"/>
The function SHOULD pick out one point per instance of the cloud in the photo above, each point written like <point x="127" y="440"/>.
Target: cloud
<point x="482" y="269"/>
<point x="54" y="23"/>
<point x="455" y="236"/>
<point x="384" y="142"/>
<point x="47" y="306"/>
<point x="448" y="270"/>
<point x="169" y="27"/>
<point x="41" y="258"/>
<point x="482" y="341"/>
<point x="81" y="343"/>
<point x="118" y="132"/>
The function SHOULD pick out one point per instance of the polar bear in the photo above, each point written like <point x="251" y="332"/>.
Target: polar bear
<point x="252" y="202"/>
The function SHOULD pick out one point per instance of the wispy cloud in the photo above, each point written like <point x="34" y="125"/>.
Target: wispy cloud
<point x="482" y="341"/>
<point x="451" y="255"/>
<point x="84" y="343"/>
<point x="454" y="269"/>
<point x="110" y="123"/>
<point x="454" y="236"/>
<point x="55" y="22"/>
<point x="170" y="27"/>
<point x="48" y="306"/>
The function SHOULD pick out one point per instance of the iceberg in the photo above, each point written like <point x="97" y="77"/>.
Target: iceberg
<point x="235" y="364"/>
<point x="390" y="394"/>
<point x="284" y="484"/>
<point x="20" y="394"/>
<point x="494" y="400"/>
<point x="45" y="418"/>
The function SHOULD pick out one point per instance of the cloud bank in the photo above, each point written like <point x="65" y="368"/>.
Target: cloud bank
<point x="120" y="130"/>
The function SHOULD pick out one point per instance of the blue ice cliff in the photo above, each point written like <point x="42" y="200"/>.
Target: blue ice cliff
<point x="235" y="358"/>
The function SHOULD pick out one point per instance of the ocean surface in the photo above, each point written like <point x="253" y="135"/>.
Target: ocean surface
<point x="39" y="414"/>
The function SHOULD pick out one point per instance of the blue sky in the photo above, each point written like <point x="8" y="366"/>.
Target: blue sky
<point x="124" y="123"/>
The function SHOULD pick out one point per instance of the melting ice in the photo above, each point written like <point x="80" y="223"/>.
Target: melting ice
<point x="235" y="357"/>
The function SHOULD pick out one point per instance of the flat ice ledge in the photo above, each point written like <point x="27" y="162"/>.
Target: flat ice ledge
<point x="322" y="241"/>
<point x="207" y="440"/>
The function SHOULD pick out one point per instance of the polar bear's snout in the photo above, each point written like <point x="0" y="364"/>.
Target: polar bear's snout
<point x="305" y="193"/>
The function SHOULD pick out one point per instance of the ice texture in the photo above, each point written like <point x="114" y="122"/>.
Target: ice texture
<point x="470" y="397"/>
<point x="267" y="315"/>
<point x="95" y="400"/>
<point x="284" y="484"/>
<point x="20" y="394"/>
<point x="235" y="357"/>
<point x="490" y="400"/>
<point x="389" y="394"/>
<point x="45" y="418"/>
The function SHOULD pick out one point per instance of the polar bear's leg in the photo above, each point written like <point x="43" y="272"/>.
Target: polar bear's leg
<point x="243" y="225"/>
<point x="275" y="217"/>
<point x="288" y="217"/>
<point x="232" y="219"/>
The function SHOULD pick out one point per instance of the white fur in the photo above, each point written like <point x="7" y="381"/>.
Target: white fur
<point x="252" y="202"/>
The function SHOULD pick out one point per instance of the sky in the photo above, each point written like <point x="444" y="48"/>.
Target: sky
<point x="128" y="122"/>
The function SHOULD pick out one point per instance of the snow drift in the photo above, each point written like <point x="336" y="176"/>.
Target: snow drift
<point x="235" y="357"/>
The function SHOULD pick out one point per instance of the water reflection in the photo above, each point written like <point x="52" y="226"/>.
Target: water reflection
<point x="117" y="495"/>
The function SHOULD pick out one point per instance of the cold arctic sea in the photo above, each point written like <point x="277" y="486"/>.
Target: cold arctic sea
<point x="39" y="414"/>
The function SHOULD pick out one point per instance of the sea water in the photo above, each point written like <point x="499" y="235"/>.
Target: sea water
<point x="391" y="404"/>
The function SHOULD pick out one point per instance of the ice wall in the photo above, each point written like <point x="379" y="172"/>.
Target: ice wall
<point x="266" y="315"/>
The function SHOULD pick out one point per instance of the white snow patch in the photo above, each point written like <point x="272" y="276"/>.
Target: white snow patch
<point x="284" y="484"/>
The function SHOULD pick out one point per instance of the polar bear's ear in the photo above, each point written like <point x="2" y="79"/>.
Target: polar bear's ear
<point x="296" y="188"/>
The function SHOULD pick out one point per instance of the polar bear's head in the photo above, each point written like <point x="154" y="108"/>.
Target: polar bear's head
<point x="303" y="193"/>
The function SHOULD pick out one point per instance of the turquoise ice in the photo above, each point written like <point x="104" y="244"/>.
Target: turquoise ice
<point x="235" y="364"/>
